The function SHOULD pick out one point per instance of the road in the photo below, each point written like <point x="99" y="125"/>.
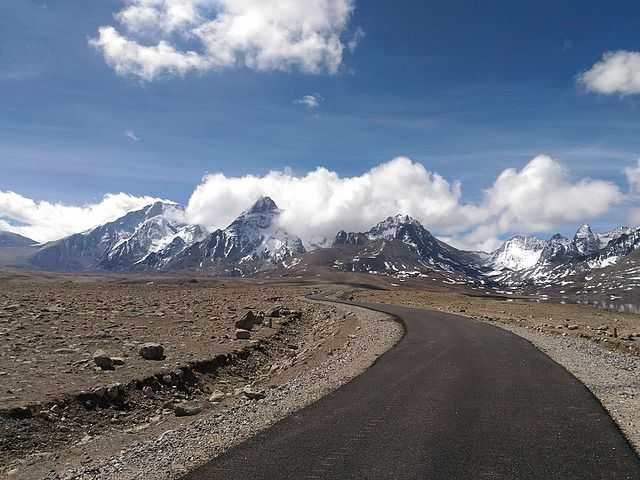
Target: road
<point x="455" y="399"/>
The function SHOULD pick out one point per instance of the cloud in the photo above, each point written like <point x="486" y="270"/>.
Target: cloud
<point x="310" y="101"/>
<point x="131" y="135"/>
<point x="45" y="221"/>
<point x="633" y="178"/>
<point x="616" y="73"/>
<point x="176" y="37"/>
<point x="356" y="39"/>
<point x="539" y="197"/>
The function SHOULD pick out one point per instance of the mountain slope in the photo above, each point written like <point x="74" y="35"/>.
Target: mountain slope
<point x="9" y="239"/>
<point x="252" y="242"/>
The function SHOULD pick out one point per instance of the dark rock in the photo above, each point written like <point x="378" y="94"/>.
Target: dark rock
<point x="103" y="360"/>
<point x="247" y="321"/>
<point x="152" y="351"/>
<point x="188" y="409"/>
<point x="243" y="334"/>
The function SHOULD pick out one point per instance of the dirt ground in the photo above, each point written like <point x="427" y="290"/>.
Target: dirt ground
<point x="615" y="331"/>
<point x="54" y="397"/>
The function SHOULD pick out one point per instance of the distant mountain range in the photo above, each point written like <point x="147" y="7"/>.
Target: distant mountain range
<point x="157" y="238"/>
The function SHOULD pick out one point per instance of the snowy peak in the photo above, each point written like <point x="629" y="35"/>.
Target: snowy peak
<point x="392" y="227"/>
<point x="517" y="253"/>
<point x="263" y="205"/>
<point x="585" y="241"/>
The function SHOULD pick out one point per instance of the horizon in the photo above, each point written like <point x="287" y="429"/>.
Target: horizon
<point x="481" y="133"/>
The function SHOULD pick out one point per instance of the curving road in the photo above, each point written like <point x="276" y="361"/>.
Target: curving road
<point x="455" y="399"/>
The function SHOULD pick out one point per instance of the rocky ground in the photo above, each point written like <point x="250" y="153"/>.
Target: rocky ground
<point x="93" y="365"/>
<point x="598" y="347"/>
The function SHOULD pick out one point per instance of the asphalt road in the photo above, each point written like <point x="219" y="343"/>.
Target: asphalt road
<point x="455" y="399"/>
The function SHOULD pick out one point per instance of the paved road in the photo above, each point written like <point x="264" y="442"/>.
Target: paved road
<point x="455" y="399"/>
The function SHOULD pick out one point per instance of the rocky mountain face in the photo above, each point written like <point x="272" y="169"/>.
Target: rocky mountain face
<point x="119" y="245"/>
<point x="8" y="239"/>
<point x="559" y="258"/>
<point x="253" y="242"/>
<point x="401" y="246"/>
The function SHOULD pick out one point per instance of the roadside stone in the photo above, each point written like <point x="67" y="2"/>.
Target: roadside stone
<point x="217" y="396"/>
<point x="252" y="394"/>
<point x="187" y="409"/>
<point x="103" y="360"/>
<point x="243" y="334"/>
<point x="152" y="351"/>
<point x="247" y="321"/>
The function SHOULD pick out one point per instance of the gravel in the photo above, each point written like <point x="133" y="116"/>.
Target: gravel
<point x="177" y="451"/>
<point x="613" y="377"/>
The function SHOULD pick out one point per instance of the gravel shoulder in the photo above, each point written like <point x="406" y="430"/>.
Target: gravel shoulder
<point x="177" y="447"/>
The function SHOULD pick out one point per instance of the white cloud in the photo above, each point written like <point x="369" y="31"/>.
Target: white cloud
<point x="633" y="178"/>
<point x="616" y="73"/>
<point x="356" y="39"/>
<point x="44" y="221"/>
<point x="310" y="101"/>
<point x="259" y="34"/>
<point x="539" y="197"/>
<point x="131" y="135"/>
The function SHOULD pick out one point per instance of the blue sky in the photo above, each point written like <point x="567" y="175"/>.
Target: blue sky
<point x="467" y="89"/>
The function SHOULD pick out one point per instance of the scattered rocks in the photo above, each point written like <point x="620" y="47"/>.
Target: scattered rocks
<point x="103" y="360"/>
<point x="152" y="351"/>
<point x="243" y="334"/>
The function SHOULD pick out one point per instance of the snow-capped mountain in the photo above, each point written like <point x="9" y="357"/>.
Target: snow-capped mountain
<point x="118" y="245"/>
<point x="401" y="246"/>
<point x="252" y="242"/>
<point x="517" y="253"/>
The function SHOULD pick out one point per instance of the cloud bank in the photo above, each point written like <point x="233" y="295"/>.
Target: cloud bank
<point x="539" y="197"/>
<point x="44" y="221"/>
<point x="616" y="73"/>
<point x="176" y="37"/>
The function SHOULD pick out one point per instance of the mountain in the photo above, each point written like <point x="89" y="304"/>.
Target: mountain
<point x="117" y="245"/>
<point x="399" y="246"/>
<point x="252" y="242"/>
<point x="517" y="253"/>
<point x="9" y="239"/>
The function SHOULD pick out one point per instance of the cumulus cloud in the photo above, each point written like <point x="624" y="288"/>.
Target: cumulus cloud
<point x="175" y="37"/>
<point x="44" y="221"/>
<point x="310" y="101"/>
<point x="616" y="73"/>
<point x="539" y="197"/>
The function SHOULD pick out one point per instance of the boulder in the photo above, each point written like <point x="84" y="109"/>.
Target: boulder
<point x="103" y="360"/>
<point x="216" y="396"/>
<point x="187" y="409"/>
<point x="247" y="321"/>
<point x="243" y="334"/>
<point x="252" y="394"/>
<point x="152" y="351"/>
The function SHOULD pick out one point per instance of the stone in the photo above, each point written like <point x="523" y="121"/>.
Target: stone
<point x="217" y="396"/>
<point x="253" y="394"/>
<point x="118" y="360"/>
<point x="103" y="360"/>
<point x="187" y="409"/>
<point x="275" y="312"/>
<point x="243" y="334"/>
<point x="152" y="351"/>
<point x="572" y="327"/>
<point x="247" y="321"/>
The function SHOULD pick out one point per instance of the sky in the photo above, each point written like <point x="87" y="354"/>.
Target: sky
<point x="480" y="119"/>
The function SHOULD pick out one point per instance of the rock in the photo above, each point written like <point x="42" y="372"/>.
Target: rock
<point x="114" y="392"/>
<point x="65" y="351"/>
<point x="103" y="360"/>
<point x="118" y="360"/>
<point x="274" y="312"/>
<point x="187" y="409"/>
<point x="243" y="334"/>
<point x="217" y="396"/>
<point x="267" y="322"/>
<point x="572" y="327"/>
<point x="167" y="380"/>
<point x="253" y="394"/>
<point x="247" y="321"/>
<point x="152" y="351"/>
<point x="147" y="391"/>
